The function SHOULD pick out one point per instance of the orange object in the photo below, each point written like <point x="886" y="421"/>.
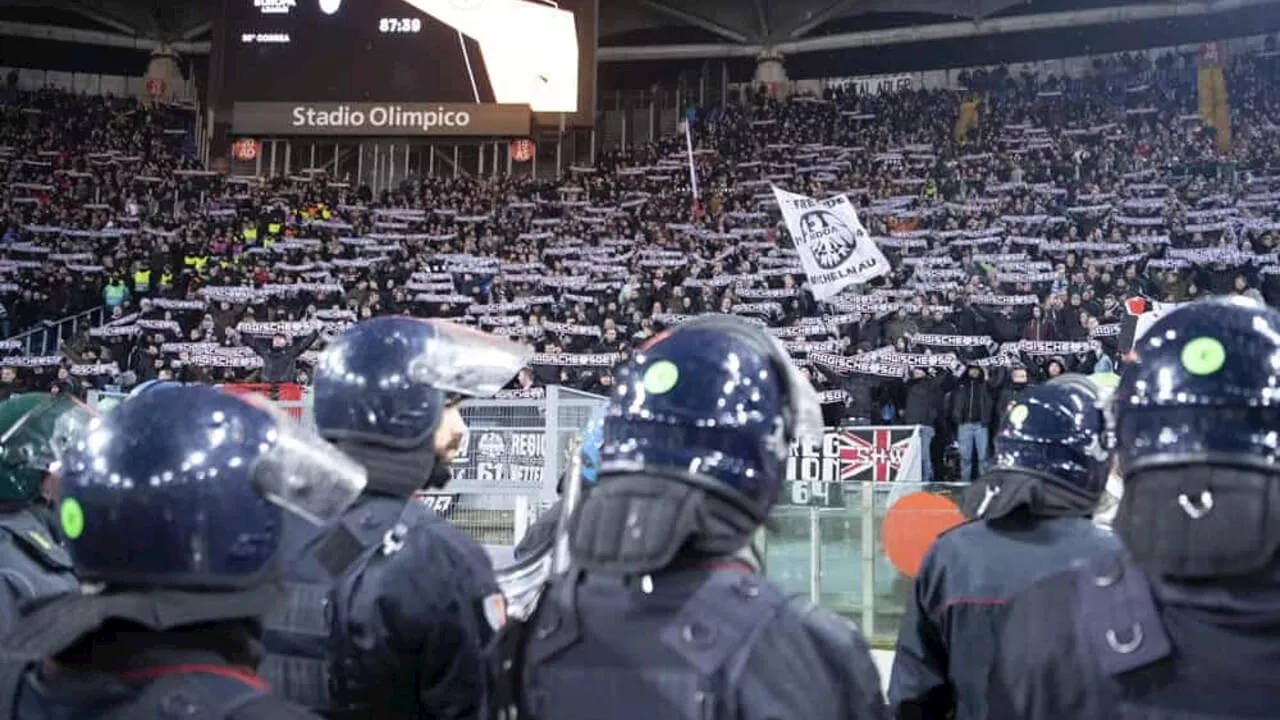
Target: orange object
<point x="912" y="524"/>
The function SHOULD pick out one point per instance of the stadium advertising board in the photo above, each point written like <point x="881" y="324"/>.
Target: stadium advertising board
<point x="465" y="55"/>
<point x="378" y="119"/>
<point x="873" y="84"/>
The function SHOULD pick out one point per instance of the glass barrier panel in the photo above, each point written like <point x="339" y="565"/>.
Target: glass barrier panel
<point x="860" y="559"/>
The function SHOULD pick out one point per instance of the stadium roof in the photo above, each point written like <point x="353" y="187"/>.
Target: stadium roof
<point x="707" y="27"/>
<point x="758" y="21"/>
<point x="170" y="20"/>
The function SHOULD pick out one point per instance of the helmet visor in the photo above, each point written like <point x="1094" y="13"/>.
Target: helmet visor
<point x="806" y="404"/>
<point x="463" y="361"/>
<point x="39" y="439"/>
<point x="302" y="473"/>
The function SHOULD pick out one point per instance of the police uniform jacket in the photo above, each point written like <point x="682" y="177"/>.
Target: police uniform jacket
<point x="1106" y="641"/>
<point x="947" y="638"/>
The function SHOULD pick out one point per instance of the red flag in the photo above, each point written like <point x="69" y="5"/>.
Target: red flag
<point x="1136" y="305"/>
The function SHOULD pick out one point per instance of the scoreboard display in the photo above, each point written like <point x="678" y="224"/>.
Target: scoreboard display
<point x="512" y="52"/>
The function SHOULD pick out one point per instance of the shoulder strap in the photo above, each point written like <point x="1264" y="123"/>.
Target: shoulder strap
<point x="1119" y="620"/>
<point x="347" y="540"/>
<point x="714" y="624"/>
<point x="34" y="539"/>
<point x="338" y="549"/>
<point x="195" y="693"/>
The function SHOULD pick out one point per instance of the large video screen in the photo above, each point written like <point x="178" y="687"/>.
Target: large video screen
<point x="521" y="52"/>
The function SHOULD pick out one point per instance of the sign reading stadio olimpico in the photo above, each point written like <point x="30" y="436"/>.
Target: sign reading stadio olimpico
<point x="380" y="119"/>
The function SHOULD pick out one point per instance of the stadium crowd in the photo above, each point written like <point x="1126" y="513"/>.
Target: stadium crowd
<point x="1015" y="244"/>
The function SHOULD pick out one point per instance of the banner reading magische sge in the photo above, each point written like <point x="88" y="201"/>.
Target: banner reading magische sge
<point x="380" y="119"/>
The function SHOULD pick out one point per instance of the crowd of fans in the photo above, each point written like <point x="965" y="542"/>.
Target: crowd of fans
<point x="1014" y="250"/>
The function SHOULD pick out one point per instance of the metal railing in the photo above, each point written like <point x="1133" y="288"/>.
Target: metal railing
<point x="860" y="560"/>
<point x="47" y="337"/>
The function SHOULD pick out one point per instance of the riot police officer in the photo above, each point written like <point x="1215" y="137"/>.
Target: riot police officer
<point x="172" y="505"/>
<point x="1181" y="624"/>
<point x="35" y="429"/>
<point x="541" y="534"/>
<point x="661" y="612"/>
<point x="1050" y="469"/>
<point x="388" y="610"/>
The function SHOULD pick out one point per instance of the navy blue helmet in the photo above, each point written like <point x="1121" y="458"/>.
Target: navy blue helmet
<point x="1203" y="387"/>
<point x="715" y="402"/>
<point x="184" y="487"/>
<point x="387" y="380"/>
<point x="150" y="385"/>
<point x="1058" y="431"/>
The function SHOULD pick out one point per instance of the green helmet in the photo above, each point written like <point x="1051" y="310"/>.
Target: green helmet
<point x="35" y="430"/>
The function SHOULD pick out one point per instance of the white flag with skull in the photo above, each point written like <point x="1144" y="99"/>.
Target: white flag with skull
<point x="835" y="249"/>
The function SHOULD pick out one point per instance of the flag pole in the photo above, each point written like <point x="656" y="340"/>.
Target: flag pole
<point x="693" y="169"/>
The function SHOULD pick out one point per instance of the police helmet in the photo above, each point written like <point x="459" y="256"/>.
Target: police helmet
<point x="387" y="380"/>
<point x="1203" y="388"/>
<point x="714" y="402"/>
<point x="1057" y="431"/>
<point x="184" y="487"/>
<point x="150" y="385"/>
<point x="36" y="429"/>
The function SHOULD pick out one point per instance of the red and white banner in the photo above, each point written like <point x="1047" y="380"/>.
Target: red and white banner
<point x="290" y="396"/>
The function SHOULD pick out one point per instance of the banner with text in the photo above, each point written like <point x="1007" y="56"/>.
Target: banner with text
<point x="873" y="85"/>
<point x="380" y="119"/>
<point x="835" y="249"/>
<point x="817" y="472"/>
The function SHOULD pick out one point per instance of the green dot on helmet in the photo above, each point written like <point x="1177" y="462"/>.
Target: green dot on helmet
<point x="71" y="516"/>
<point x="1018" y="414"/>
<point x="661" y="377"/>
<point x="1203" y="356"/>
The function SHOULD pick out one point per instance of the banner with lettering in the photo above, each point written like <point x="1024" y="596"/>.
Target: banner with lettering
<point x="818" y="471"/>
<point x="503" y="456"/>
<point x="835" y="249"/>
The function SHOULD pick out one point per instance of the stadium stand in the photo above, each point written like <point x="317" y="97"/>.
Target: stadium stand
<point x="1016" y="238"/>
